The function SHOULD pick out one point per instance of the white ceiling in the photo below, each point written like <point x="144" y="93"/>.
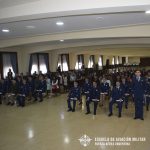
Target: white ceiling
<point x="72" y="23"/>
<point x="8" y="3"/>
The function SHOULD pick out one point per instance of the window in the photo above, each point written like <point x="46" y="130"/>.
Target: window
<point x="9" y="61"/>
<point x="63" y="62"/>
<point x="100" y="61"/>
<point x="113" y="60"/>
<point x="79" y="62"/>
<point x="39" y="62"/>
<point x="91" y="62"/>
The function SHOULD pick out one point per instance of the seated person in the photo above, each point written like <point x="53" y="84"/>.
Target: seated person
<point x="73" y="96"/>
<point x="41" y="89"/>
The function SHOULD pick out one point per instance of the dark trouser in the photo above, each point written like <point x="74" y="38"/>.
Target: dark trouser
<point x="147" y="102"/>
<point x="69" y="104"/>
<point x="21" y="101"/>
<point x="88" y="106"/>
<point x="138" y="107"/>
<point x="119" y="107"/>
<point x="0" y="98"/>
<point x="126" y="101"/>
<point x="38" y="94"/>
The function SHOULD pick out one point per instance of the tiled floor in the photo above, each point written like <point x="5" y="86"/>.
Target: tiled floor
<point x="48" y="126"/>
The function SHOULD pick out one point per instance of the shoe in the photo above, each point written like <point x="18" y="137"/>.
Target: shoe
<point x="142" y="118"/>
<point x="73" y="110"/>
<point x="69" y="110"/>
<point x="87" y="113"/>
<point x="135" y="118"/>
<point x="110" y="114"/>
<point x="41" y="100"/>
<point x="119" y="116"/>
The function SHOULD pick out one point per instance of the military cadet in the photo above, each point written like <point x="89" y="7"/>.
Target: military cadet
<point x="73" y="96"/>
<point x="147" y="94"/>
<point x="117" y="96"/>
<point x="86" y="90"/>
<point x="22" y="93"/>
<point x="94" y="97"/>
<point x="12" y="94"/>
<point x="104" y="90"/>
<point x="138" y="88"/>
<point x="41" y="89"/>
<point x="125" y="87"/>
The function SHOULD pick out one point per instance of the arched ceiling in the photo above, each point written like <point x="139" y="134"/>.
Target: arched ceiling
<point x="32" y="23"/>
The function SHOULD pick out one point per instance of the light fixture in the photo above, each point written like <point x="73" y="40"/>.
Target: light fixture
<point x="61" y="40"/>
<point x="30" y="27"/>
<point x="147" y="12"/>
<point x="99" y="18"/>
<point x="59" y="23"/>
<point x="5" y="30"/>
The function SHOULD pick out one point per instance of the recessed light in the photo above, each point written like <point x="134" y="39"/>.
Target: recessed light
<point x="99" y="18"/>
<point x="61" y="40"/>
<point x="147" y="12"/>
<point x="5" y="30"/>
<point x="59" y="23"/>
<point x="30" y="27"/>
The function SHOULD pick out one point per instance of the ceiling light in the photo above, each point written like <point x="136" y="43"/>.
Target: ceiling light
<point x="30" y="27"/>
<point x="5" y="30"/>
<point x="61" y="40"/>
<point x="59" y="23"/>
<point x="100" y="18"/>
<point x="147" y="12"/>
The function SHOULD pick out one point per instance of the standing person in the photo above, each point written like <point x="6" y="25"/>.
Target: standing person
<point x="55" y="86"/>
<point x="138" y="88"/>
<point x="10" y="74"/>
<point x="1" y="90"/>
<point x="117" y="96"/>
<point x="73" y="96"/>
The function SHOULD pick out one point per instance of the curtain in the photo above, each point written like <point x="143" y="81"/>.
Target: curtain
<point x="113" y="61"/>
<point x="9" y="64"/>
<point x="100" y="62"/>
<point x="13" y="59"/>
<point x="43" y="63"/>
<point x="64" y="62"/>
<point x="79" y="62"/>
<point x="91" y="61"/>
<point x="34" y="63"/>
<point x="59" y="62"/>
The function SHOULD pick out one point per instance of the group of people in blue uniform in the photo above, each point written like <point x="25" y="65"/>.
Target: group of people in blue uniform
<point x="118" y="89"/>
<point x="138" y="89"/>
<point x="18" y="89"/>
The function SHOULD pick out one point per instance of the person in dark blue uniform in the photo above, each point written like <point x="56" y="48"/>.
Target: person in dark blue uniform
<point x="94" y="96"/>
<point x="117" y="96"/>
<point x="73" y="96"/>
<point x="147" y="94"/>
<point x="138" y="88"/>
<point x="104" y="90"/>
<point x="22" y="93"/>
<point x="125" y="87"/>
<point x="86" y="90"/>
<point x="41" y="88"/>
